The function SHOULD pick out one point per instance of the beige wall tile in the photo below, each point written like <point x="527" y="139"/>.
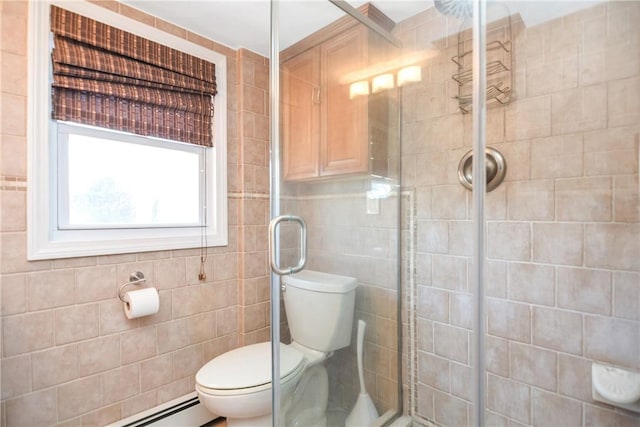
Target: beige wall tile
<point x="584" y="290"/>
<point x="557" y="330"/>
<point x="530" y="200"/>
<point x="119" y="384"/>
<point x="449" y="201"/>
<point x="612" y="340"/>
<point x="424" y="334"/>
<point x="424" y="401"/>
<point x="558" y="156"/>
<point x="14" y="114"/>
<point x="613" y="246"/>
<point x="54" y="366"/>
<point x="226" y="266"/>
<point x="449" y="410"/>
<point x="552" y="76"/>
<point x="433" y="371"/>
<point x="27" y="332"/>
<point x="626" y="291"/>
<point x="533" y="365"/>
<point x="169" y="273"/>
<point x="433" y="237"/>
<point x="13" y="257"/>
<point x="202" y="327"/>
<point x="574" y="377"/>
<point x="431" y="168"/>
<point x="450" y="273"/>
<point x="532" y="283"/>
<point x="624" y="107"/>
<point x="35" y="409"/>
<point x="13" y="215"/>
<point x="579" y="109"/>
<point x="187" y="361"/>
<point x="172" y="336"/>
<point x="509" y="398"/>
<point x="14" y="27"/>
<point x="138" y="403"/>
<point x="95" y="283"/>
<point x="16" y="376"/>
<point x="595" y="416"/>
<point x="13" y="161"/>
<point x="140" y="344"/>
<point x="611" y="151"/>
<point x="174" y="390"/>
<point x="509" y="241"/>
<point x="558" y="243"/>
<point x="461" y="310"/>
<point x="528" y="118"/>
<point x="98" y="355"/>
<point x="460" y="238"/>
<point x="186" y="301"/>
<point x="550" y="409"/>
<point x="451" y="342"/>
<point x="78" y="397"/>
<point x="103" y="416"/>
<point x="156" y="372"/>
<point x="461" y="381"/>
<point x="495" y="278"/>
<point x="50" y="289"/>
<point x="76" y="323"/>
<point x="227" y="321"/>
<point x="584" y="199"/>
<point x="509" y="320"/>
<point x="13" y="299"/>
<point x="626" y="198"/>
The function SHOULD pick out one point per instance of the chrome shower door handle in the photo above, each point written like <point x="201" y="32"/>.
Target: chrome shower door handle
<point x="273" y="225"/>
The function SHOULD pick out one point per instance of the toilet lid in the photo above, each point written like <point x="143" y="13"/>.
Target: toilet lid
<point x="248" y="366"/>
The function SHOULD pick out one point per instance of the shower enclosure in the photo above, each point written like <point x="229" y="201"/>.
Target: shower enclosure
<point x="495" y="298"/>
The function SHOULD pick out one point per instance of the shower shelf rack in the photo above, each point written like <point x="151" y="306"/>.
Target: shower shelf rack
<point x="498" y="69"/>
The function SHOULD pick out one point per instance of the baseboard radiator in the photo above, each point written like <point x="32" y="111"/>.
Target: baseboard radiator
<point x="183" y="411"/>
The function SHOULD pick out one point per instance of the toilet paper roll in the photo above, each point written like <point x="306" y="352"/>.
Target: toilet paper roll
<point x="142" y="302"/>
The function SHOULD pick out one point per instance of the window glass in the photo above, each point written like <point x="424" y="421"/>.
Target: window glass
<point x="125" y="184"/>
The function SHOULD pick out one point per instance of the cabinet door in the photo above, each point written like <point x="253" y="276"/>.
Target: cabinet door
<point x="301" y="115"/>
<point x="343" y="143"/>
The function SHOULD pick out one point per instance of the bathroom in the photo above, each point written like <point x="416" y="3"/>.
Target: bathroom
<point x="561" y="254"/>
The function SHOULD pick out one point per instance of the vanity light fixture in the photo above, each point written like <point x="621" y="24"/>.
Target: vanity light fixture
<point x="358" y="89"/>
<point x="385" y="81"/>
<point x="382" y="82"/>
<point x="409" y="74"/>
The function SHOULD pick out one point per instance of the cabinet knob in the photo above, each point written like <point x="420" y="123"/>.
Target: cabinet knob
<point x="315" y="95"/>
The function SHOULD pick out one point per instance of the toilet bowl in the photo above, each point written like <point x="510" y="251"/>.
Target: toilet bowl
<point x="237" y="384"/>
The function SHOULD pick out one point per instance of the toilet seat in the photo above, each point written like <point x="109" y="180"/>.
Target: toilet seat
<point x="248" y="370"/>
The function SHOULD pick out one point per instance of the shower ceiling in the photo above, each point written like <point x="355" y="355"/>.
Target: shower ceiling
<point x="245" y="23"/>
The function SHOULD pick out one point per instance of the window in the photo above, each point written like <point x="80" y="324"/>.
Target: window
<point x="98" y="191"/>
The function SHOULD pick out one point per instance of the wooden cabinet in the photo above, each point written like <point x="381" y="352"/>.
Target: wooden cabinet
<point x="324" y="132"/>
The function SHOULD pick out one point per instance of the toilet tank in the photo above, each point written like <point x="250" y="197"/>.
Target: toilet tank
<point x="320" y="308"/>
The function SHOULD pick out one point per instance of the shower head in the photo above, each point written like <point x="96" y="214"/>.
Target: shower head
<point x="457" y="8"/>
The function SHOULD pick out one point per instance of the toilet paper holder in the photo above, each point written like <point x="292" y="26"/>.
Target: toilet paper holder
<point x="136" y="278"/>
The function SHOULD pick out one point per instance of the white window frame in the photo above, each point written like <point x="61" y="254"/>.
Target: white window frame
<point x="44" y="239"/>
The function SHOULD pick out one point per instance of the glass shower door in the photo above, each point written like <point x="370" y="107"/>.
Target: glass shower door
<point x="336" y="164"/>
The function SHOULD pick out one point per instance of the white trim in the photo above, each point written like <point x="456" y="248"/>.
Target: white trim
<point x="40" y="244"/>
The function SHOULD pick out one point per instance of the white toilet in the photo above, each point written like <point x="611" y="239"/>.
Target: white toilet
<point x="237" y="384"/>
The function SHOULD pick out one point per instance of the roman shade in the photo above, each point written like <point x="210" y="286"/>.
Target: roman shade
<point x="110" y="78"/>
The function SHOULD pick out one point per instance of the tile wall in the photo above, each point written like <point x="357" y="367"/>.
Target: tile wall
<point x="69" y="355"/>
<point x="563" y="234"/>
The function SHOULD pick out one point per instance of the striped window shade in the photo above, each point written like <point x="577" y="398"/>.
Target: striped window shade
<point x="107" y="77"/>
